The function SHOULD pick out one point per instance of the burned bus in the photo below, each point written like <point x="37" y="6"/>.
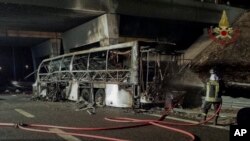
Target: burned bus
<point x="122" y="75"/>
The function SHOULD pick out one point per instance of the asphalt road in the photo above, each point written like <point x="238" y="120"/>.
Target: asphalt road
<point x="19" y="108"/>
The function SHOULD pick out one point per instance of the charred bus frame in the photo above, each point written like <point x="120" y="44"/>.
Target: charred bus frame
<point x="85" y="74"/>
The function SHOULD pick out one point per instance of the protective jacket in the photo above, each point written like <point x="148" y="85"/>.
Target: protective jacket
<point x="213" y="92"/>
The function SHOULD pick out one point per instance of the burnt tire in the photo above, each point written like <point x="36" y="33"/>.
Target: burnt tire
<point x="52" y="93"/>
<point x="100" y="98"/>
<point x="63" y="94"/>
<point x="85" y="95"/>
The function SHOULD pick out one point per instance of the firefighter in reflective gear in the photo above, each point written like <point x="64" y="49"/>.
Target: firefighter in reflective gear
<point x="214" y="88"/>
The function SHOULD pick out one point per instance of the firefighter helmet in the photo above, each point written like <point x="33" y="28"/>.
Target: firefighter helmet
<point x="212" y="71"/>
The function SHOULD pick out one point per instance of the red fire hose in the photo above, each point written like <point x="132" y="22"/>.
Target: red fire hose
<point x="158" y="123"/>
<point x="121" y="119"/>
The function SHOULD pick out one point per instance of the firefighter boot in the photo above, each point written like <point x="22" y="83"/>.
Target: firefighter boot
<point x="216" y="120"/>
<point x="204" y="117"/>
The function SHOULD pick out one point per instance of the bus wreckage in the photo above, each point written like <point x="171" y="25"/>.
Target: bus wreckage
<point x="122" y="75"/>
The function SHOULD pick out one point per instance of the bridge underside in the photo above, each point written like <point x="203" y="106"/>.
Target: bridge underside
<point x="52" y="27"/>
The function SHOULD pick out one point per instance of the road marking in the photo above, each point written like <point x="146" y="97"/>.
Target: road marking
<point x="24" y="113"/>
<point x="66" y="137"/>
<point x="188" y="121"/>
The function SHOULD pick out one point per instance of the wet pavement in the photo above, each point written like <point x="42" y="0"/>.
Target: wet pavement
<point x="19" y="108"/>
<point x="227" y="116"/>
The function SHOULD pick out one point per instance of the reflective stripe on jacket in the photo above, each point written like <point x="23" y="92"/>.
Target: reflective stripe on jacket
<point x="212" y="91"/>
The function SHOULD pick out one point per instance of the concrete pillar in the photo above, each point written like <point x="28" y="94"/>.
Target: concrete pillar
<point x="55" y="47"/>
<point x="103" y="29"/>
<point x="34" y="60"/>
<point x="112" y="30"/>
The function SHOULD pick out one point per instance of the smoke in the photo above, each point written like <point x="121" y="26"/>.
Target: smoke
<point x="187" y="79"/>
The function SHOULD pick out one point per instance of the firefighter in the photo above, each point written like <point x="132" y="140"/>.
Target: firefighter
<point x="214" y="88"/>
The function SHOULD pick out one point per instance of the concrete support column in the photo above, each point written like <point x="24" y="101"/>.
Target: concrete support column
<point x="103" y="30"/>
<point x="55" y="47"/>
<point x="112" y="30"/>
<point x="34" y="60"/>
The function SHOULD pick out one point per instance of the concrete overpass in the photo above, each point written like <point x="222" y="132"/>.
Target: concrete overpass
<point x="52" y="27"/>
<point x="188" y="10"/>
<point x="75" y="23"/>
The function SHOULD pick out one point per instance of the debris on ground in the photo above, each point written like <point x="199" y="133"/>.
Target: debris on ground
<point x="83" y="105"/>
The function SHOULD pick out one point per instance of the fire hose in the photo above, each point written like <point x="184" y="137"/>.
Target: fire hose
<point x="159" y="123"/>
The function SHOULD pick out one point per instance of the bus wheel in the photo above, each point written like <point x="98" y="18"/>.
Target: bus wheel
<point x="100" y="98"/>
<point x="52" y="93"/>
<point x="63" y="94"/>
<point x="85" y="95"/>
